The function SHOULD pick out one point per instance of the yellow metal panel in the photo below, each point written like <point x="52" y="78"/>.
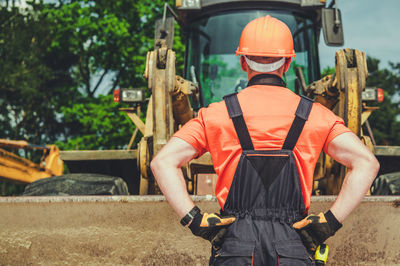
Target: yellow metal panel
<point x="21" y="175"/>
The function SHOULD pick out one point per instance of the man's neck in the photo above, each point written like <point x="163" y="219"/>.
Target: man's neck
<point x="252" y="73"/>
<point x="266" y="79"/>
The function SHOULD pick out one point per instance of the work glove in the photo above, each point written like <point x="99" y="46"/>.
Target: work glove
<point x="315" y="229"/>
<point x="211" y="226"/>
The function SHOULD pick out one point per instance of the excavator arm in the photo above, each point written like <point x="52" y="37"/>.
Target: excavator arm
<point x="17" y="169"/>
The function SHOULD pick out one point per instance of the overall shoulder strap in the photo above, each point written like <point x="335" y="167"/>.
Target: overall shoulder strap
<point x="302" y="113"/>
<point x="235" y="113"/>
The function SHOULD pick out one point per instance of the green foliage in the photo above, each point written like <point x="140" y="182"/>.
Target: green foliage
<point x="206" y="81"/>
<point x="106" y="38"/>
<point x="97" y="124"/>
<point x="32" y="86"/>
<point x="218" y="77"/>
<point x="58" y="56"/>
<point x="109" y="39"/>
<point x="58" y="53"/>
<point x="327" y="71"/>
<point x="385" y="121"/>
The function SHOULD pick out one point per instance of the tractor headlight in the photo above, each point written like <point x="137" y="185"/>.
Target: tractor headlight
<point x="373" y="94"/>
<point x="130" y="95"/>
<point x="188" y="4"/>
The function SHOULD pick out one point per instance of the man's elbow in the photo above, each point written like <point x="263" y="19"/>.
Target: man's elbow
<point x="372" y="164"/>
<point x="156" y="165"/>
<point x="375" y="165"/>
<point x="159" y="162"/>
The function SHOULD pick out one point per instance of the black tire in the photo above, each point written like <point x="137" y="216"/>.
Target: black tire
<point x="77" y="184"/>
<point x="387" y="184"/>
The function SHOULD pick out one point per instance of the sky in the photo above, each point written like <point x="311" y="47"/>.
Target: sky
<point x="370" y="26"/>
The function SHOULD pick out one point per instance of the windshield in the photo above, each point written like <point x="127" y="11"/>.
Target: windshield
<point x="213" y="41"/>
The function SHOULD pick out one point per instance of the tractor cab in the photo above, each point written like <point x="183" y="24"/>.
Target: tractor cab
<point x="213" y="30"/>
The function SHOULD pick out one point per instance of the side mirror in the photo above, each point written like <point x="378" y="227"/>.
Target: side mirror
<point x="332" y="26"/>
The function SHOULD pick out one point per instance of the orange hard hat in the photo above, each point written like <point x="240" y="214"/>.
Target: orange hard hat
<point x="266" y="36"/>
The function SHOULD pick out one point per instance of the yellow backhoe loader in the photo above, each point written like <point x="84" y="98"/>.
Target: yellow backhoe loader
<point x="212" y="29"/>
<point x="17" y="169"/>
<point x="46" y="178"/>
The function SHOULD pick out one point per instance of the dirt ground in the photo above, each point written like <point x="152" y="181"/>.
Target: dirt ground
<point x="95" y="233"/>
<point x="126" y="232"/>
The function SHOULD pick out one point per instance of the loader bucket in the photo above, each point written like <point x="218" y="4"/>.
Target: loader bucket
<point x="144" y="230"/>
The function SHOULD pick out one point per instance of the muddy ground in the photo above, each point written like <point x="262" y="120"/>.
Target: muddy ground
<point x="129" y="232"/>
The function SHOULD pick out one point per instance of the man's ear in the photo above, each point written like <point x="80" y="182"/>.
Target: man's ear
<point x="287" y="64"/>
<point x="243" y="64"/>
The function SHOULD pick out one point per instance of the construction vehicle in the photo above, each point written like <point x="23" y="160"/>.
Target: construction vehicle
<point x="212" y="29"/>
<point x="47" y="178"/>
<point x="91" y="229"/>
<point x="19" y="169"/>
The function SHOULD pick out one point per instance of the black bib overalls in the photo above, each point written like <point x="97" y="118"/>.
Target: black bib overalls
<point x="265" y="196"/>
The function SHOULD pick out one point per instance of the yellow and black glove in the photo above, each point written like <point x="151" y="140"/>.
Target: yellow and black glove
<point x="315" y="229"/>
<point x="211" y="226"/>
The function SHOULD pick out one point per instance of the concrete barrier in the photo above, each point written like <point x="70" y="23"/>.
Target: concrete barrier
<point x="143" y="230"/>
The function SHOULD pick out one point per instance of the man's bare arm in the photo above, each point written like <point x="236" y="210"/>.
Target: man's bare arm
<point x="362" y="166"/>
<point x="166" y="167"/>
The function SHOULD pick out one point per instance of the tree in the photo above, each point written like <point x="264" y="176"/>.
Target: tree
<point x="110" y="40"/>
<point x="385" y="121"/>
<point x="57" y="55"/>
<point x="34" y="82"/>
<point x="96" y="124"/>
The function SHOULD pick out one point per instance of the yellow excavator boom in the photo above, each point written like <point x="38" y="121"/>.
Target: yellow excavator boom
<point x="17" y="169"/>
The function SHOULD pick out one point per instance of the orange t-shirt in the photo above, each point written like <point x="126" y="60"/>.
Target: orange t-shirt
<point x="268" y="112"/>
